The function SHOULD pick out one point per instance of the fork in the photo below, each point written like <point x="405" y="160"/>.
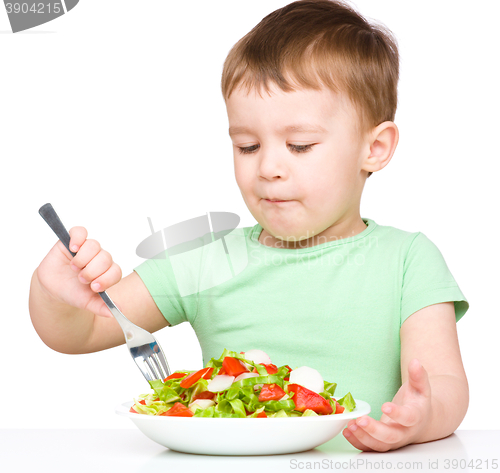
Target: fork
<point x="143" y="347"/>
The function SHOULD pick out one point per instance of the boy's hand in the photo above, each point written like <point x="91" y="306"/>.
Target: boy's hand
<point x="404" y="419"/>
<point x="76" y="281"/>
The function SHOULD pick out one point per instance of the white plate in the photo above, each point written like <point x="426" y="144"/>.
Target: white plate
<point x="241" y="436"/>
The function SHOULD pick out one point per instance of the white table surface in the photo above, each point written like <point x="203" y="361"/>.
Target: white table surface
<point x="128" y="450"/>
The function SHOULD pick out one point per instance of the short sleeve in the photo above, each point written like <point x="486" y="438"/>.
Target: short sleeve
<point x="159" y="278"/>
<point x="427" y="280"/>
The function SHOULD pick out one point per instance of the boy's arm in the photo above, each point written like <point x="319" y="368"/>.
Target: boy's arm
<point x="433" y="399"/>
<point x="67" y="329"/>
<point x="135" y="302"/>
<point x="65" y="308"/>
<point x="432" y="338"/>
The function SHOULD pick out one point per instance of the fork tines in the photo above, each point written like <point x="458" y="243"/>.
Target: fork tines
<point x="150" y="361"/>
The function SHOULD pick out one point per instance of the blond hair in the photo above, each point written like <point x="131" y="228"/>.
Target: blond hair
<point x="320" y="43"/>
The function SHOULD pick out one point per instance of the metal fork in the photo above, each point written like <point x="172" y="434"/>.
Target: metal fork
<point x="143" y="347"/>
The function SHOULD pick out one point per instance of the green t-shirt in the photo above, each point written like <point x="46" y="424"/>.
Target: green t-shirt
<point x="337" y="307"/>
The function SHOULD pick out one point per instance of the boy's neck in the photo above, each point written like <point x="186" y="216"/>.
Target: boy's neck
<point x="341" y="229"/>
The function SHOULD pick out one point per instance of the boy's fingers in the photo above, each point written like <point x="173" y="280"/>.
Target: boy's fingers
<point x="112" y="276"/>
<point x="391" y="434"/>
<point x="97" y="266"/>
<point x="86" y="253"/>
<point x="354" y="441"/>
<point x="419" y="378"/>
<point x="369" y="442"/>
<point x="77" y="238"/>
<point x="103" y="310"/>
<point x="406" y="415"/>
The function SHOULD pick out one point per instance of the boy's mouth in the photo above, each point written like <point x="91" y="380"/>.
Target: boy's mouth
<point x="277" y="201"/>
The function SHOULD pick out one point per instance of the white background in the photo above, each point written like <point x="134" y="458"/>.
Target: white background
<point x="113" y="113"/>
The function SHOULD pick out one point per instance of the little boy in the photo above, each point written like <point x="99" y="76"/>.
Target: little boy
<point x="311" y="95"/>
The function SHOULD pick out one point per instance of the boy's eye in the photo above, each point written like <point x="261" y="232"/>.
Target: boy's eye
<point x="297" y="148"/>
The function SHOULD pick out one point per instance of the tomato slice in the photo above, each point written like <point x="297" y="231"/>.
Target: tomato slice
<point x="306" y="399"/>
<point x="178" y="410"/>
<point x="143" y="401"/>
<point x="270" y="368"/>
<point x="271" y="392"/>
<point x="261" y="414"/>
<point x="175" y="376"/>
<point x="134" y="411"/>
<point x="233" y="366"/>
<point x="208" y="374"/>
<point x="193" y="377"/>
<point x="338" y="408"/>
<point x="203" y="395"/>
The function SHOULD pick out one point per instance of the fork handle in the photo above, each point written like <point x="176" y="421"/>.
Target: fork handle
<point x="49" y="215"/>
<point x="141" y="337"/>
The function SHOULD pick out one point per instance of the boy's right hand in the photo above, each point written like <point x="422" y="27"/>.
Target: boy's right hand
<point x="76" y="281"/>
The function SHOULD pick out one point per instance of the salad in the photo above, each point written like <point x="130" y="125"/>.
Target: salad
<point x="244" y="384"/>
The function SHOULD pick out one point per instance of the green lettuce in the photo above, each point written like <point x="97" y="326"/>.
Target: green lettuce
<point x="347" y="402"/>
<point x="241" y="397"/>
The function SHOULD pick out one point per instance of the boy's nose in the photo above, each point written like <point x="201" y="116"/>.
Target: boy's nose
<point x="272" y="165"/>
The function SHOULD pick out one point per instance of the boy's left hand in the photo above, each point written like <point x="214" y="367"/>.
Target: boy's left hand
<point x="404" y="419"/>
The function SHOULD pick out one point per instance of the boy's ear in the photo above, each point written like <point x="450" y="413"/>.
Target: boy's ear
<point x="382" y="143"/>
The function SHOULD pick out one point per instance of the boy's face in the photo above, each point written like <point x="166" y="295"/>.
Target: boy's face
<point x="322" y="186"/>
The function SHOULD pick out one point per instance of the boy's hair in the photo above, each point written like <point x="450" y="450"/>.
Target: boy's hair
<point x="320" y="43"/>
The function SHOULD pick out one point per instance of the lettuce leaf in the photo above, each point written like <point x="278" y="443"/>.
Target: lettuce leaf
<point x="241" y="397"/>
<point x="347" y="402"/>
